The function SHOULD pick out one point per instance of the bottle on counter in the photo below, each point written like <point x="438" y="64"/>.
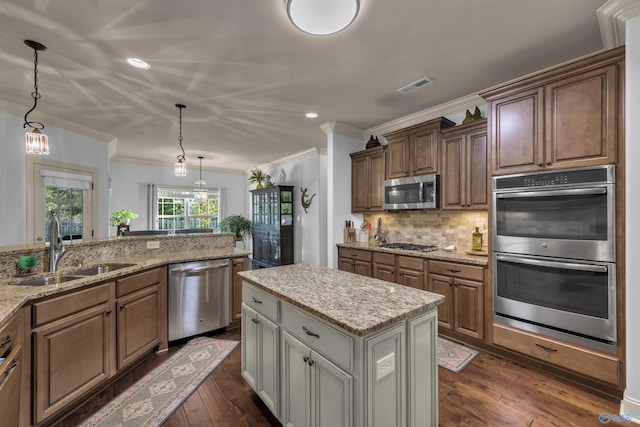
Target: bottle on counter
<point x="476" y="242"/>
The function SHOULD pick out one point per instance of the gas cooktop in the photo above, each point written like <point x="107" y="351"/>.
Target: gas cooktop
<point x="409" y="247"/>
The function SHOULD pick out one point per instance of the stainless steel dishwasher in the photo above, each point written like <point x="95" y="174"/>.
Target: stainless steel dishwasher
<point x="198" y="297"/>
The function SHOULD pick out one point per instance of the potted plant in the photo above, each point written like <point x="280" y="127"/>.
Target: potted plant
<point x="236" y="224"/>
<point x="257" y="176"/>
<point x="122" y="217"/>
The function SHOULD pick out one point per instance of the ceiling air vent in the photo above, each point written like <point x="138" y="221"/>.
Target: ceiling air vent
<point x="415" y="85"/>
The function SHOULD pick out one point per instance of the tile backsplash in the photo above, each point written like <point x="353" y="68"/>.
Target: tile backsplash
<point x="431" y="227"/>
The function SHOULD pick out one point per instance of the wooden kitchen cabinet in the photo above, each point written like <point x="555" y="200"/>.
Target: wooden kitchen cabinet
<point x="237" y="265"/>
<point x="571" y="116"/>
<point x="414" y="150"/>
<point x="464" y="173"/>
<point x="356" y="261"/>
<point x="82" y="320"/>
<point x="272" y="213"/>
<point x="401" y="269"/>
<point x="141" y="314"/>
<point x="367" y="180"/>
<point x="11" y="386"/>
<point x="463" y="288"/>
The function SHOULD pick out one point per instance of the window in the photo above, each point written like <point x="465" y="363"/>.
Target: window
<point x="67" y="204"/>
<point x="178" y="210"/>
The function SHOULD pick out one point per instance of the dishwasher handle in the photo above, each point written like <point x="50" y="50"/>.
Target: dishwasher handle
<point x="194" y="268"/>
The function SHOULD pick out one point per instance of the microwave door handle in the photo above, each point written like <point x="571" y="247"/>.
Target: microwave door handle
<point x="553" y="264"/>
<point x="570" y="192"/>
<point x="421" y="197"/>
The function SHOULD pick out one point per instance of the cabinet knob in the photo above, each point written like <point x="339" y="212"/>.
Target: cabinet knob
<point x="255" y="320"/>
<point x="310" y="361"/>
<point x="6" y="341"/>
<point x="540" y="164"/>
<point x="13" y="364"/>
<point x="548" y="163"/>
<point x="306" y="359"/>
<point x="122" y="307"/>
<point x="108" y="312"/>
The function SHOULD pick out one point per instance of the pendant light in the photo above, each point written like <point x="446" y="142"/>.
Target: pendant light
<point x="36" y="141"/>
<point x="200" y="193"/>
<point x="322" y="17"/>
<point x="181" y="164"/>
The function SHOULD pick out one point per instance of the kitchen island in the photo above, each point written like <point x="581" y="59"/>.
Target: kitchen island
<point x="328" y="347"/>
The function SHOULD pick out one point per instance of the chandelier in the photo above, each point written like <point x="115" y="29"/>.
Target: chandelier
<point x="200" y="194"/>
<point x="36" y="141"/>
<point x="181" y="164"/>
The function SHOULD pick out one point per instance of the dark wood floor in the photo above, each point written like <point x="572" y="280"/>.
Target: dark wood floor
<point x="489" y="392"/>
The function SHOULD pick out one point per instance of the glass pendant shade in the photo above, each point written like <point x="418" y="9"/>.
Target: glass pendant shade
<point x="37" y="142"/>
<point x="322" y="17"/>
<point x="200" y="194"/>
<point x="181" y="168"/>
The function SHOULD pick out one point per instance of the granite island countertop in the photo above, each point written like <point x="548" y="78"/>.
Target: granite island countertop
<point x="440" y="254"/>
<point x="358" y="304"/>
<point x="13" y="296"/>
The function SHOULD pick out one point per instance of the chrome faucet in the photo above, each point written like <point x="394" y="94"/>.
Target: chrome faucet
<point x="56" y="247"/>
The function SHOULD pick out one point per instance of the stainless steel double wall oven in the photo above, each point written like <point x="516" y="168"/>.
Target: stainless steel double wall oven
<point x="554" y="254"/>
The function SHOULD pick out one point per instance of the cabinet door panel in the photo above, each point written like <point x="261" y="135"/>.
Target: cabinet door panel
<point x="331" y="394"/>
<point x="517" y="132"/>
<point x="376" y="182"/>
<point x="62" y="374"/>
<point x="477" y="195"/>
<point x="10" y="388"/>
<point x="249" y="347"/>
<point x="452" y="173"/>
<point x="424" y="156"/>
<point x="469" y="306"/>
<point x="359" y="184"/>
<point x="411" y="278"/>
<point x="385" y="272"/>
<point x="138" y="325"/>
<point x="362" y="268"/>
<point x="268" y="363"/>
<point x="397" y="157"/>
<point x="296" y="383"/>
<point x="441" y="285"/>
<point x="237" y="265"/>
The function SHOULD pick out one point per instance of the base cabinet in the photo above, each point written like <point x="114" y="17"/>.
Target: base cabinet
<point x="330" y="377"/>
<point x="356" y="261"/>
<point x="237" y="265"/>
<point x="11" y="340"/>
<point x="315" y="392"/>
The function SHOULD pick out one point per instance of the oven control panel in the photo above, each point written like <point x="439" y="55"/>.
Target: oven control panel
<point x="544" y="180"/>
<point x="567" y="177"/>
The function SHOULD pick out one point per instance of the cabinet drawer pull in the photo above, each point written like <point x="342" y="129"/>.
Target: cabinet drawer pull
<point x="548" y="163"/>
<point x="108" y="312"/>
<point x="453" y="270"/>
<point x="544" y="347"/>
<point x="255" y="320"/>
<point x="13" y="364"/>
<point x="257" y="301"/>
<point x="540" y="164"/>
<point x="6" y="341"/>
<point x="122" y="307"/>
<point x="310" y="361"/>
<point x="306" y="359"/>
<point x="308" y="332"/>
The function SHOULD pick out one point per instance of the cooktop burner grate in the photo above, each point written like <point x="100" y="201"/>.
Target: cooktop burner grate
<point x="410" y="247"/>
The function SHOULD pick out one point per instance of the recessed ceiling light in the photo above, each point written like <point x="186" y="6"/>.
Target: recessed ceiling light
<point x="311" y="115"/>
<point x="138" y="63"/>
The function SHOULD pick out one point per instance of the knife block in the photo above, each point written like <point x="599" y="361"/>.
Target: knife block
<point x="350" y="235"/>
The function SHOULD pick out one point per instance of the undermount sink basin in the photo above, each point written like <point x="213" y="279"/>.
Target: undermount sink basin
<point x="99" y="269"/>
<point x="51" y="280"/>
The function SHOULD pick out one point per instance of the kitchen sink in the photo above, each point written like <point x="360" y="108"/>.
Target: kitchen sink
<point x="51" y="280"/>
<point x="99" y="269"/>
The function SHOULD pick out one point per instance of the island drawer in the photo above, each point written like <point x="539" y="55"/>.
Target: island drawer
<point x="360" y="254"/>
<point x="138" y="281"/>
<point x="9" y="335"/>
<point x="66" y="305"/>
<point x="326" y="340"/>
<point x="262" y="302"/>
<point x="457" y="270"/>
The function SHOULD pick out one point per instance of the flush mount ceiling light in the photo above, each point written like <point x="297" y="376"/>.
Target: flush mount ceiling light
<point x="36" y="141"/>
<point x="311" y="115"/>
<point x="322" y="17"/>
<point x="200" y="194"/>
<point x="181" y="164"/>
<point x="138" y="63"/>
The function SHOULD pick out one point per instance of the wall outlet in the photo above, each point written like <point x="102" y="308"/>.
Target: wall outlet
<point x="385" y="366"/>
<point x="154" y="244"/>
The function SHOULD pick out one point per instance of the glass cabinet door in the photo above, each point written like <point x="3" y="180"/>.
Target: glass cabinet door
<point x="286" y="208"/>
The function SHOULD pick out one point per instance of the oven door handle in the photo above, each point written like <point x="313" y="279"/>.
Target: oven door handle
<point x="554" y="264"/>
<point x="550" y="193"/>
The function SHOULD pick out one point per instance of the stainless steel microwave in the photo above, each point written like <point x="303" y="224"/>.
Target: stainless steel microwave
<point x="415" y="192"/>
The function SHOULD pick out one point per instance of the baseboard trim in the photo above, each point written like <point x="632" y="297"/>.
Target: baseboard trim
<point x="630" y="406"/>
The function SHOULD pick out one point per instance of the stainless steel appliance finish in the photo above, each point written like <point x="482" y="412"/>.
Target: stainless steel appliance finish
<point x="198" y="297"/>
<point x="415" y="192"/>
<point x="568" y="299"/>
<point x="567" y="213"/>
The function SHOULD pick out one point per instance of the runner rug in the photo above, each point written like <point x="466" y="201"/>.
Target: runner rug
<point x="453" y="356"/>
<point x="152" y="399"/>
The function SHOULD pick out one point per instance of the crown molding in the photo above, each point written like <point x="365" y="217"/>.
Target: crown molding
<point x="136" y="161"/>
<point x="451" y="107"/>
<point x="342" y="129"/>
<point x="612" y="17"/>
<point x="312" y="152"/>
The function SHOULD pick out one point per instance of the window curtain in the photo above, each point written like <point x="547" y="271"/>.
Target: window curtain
<point x="65" y="180"/>
<point x="152" y="206"/>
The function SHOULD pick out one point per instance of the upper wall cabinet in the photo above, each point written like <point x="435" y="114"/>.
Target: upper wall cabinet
<point x="414" y="150"/>
<point x="571" y="116"/>
<point x="367" y="180"/>
<point x="464" y="167"/>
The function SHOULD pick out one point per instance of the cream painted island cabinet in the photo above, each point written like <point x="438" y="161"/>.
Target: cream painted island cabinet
<point x="324" y="347"/>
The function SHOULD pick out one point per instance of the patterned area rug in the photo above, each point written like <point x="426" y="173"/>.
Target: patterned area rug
<point x="158" y="394"/>
<point x="453" y="356"/>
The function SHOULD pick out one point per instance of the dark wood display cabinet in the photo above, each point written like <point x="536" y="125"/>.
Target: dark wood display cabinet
<point x="272" y="209"/>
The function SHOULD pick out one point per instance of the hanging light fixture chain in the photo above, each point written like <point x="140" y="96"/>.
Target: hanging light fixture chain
<point x="35" y="95"/>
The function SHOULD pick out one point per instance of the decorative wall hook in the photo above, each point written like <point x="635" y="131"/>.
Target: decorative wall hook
<point x="306" y="203"/>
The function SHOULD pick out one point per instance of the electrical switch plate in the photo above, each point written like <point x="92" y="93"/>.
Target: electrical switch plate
<point x="385" y="366"/>
<point x="153" y="244"/>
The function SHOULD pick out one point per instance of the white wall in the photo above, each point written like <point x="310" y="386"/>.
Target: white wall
<point x="306" y="170"/>
<point x="128" y="191"/>
<point x="64" y="146"/>
<point x="631" y="402"/>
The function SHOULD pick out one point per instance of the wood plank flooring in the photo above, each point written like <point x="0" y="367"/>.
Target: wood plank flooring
<point x="489" y="392"/>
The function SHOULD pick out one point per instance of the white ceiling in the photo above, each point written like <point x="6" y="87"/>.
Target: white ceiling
<point x="248" y="76"/>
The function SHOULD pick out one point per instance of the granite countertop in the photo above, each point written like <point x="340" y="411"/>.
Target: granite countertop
<point x="13" y="297"/>
<point x="358" y="304"/>
<point x="440" y="254"/>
